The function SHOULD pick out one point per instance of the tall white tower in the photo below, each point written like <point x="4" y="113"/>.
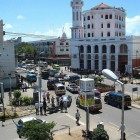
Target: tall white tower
<point x="77" y="24"/>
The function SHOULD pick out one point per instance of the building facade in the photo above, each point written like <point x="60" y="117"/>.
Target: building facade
<point x="55" y="50"/>
<point x="7" y="61"/>
<point x="98" y="39"/>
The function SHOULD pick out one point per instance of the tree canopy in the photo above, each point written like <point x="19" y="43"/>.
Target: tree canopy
<point x="35" y="130"/>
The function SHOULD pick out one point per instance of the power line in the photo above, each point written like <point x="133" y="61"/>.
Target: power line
<point x="30" y="35"/>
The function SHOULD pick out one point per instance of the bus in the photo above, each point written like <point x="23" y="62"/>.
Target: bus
<point x="56" y="66"/>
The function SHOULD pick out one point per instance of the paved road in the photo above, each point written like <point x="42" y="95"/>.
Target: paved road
<point x="111" y="117"/>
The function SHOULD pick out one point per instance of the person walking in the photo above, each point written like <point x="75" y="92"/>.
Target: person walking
<point x="25" y="87"/>
<point x="41" y="106"/>
<point x="77" y="116"/>
<point x="44" y="106"/>
<point x="65" y="106"/>
<point x="52" y="101"/>
<point x="61" y="104"/>
<point x="37" y="108"/>
<point x="48" y="97"/>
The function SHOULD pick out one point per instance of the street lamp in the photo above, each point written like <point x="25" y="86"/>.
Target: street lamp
<point x="10" y="92"/>
<point x="110" y="75"/>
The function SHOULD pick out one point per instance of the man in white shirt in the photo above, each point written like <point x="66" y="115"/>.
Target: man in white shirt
<point x="37" y="108"/>
<point x="41" y="106"/>
<point x="77" y="116"/>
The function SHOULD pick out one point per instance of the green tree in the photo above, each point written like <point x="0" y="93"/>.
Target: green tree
<point x="34" y="130"/>
<point x="99" y="134"/>
<point x="17" y="94"/>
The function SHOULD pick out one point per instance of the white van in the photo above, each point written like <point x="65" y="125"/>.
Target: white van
<point x="59" y="89"/>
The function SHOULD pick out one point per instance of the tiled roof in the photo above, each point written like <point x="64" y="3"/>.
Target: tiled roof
<point x="101" y="6"/>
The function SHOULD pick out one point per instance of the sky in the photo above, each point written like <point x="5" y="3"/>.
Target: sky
<point x="52" y="17"/>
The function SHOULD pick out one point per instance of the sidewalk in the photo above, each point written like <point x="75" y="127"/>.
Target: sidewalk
<point x="76" y="132"/>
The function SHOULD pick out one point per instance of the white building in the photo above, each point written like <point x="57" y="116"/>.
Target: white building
<point x="7" y="60"/>
<point x="99" y="41"/>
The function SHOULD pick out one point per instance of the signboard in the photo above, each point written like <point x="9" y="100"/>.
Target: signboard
<point x="87" y="99"/>
<point x="134" y="89"/>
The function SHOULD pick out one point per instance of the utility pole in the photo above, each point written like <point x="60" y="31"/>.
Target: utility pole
<point x="2" y="100"/>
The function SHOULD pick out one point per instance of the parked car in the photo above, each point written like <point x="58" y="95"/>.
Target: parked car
<point x="24" y="120"/>
<point x="59" y="75"/>
<point x="31" y="77"/>
<point x="62" y="81"/>
<point x="68" y="99"/>
<point x="66" y="77"/>
<point x="72" y="88"/>
<point x="115" y="99"/>
<point x="73" y="78"/>
<point x="51" y="83"/>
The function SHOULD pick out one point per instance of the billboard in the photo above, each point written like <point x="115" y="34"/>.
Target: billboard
<point x="87" y="99"/>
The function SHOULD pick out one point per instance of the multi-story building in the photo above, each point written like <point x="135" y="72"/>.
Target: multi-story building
<point x="55" y="50"/>
<point x="99" y="41"/>
<point x="7" y="61"/>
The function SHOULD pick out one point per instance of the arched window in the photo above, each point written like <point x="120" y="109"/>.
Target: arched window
<point x="89" y="56"/>
<point x="112" y="49"/>
<point x="96" y="57"/>
<point x="76" y="15"/>
<point x="108" y="33"/>
<point x="96" y="50"/>
<point x="123" y="48"/>
<point x="88" y="18"/>
<point x="104" y="57"/>
<point x="110" y="16"/>
<point x="88" y="26"/>
<point x="104" y="49"/>
<point x="108" y="25"/>
<point x="88" y="49"/>
<point x="88" y="34"/>
<point x="106" y="16"/>
<point x="81" y="49"/>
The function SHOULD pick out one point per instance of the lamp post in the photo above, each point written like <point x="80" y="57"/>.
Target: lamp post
<point x="10" y="92"/>
<point x="110" y="75"/>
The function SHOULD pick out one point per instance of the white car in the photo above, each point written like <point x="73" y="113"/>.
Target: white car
<point x="27" y="119"/>
<point x="66" y="77"/>
<point x="72" y="88"/>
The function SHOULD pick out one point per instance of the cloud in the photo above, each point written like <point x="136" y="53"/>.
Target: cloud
<point x="132" y="25"/>
<point x="8" y="26"/>
<point x="20" y="17"/>
<point x="58" y="31"/>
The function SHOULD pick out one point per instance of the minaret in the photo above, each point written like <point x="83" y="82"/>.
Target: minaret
<point x="77" y="30"/>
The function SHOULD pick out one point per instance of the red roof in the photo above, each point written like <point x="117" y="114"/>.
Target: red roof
<point x="101" y="6"/>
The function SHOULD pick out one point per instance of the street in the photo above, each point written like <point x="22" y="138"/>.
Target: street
<point x="111" y="116"/>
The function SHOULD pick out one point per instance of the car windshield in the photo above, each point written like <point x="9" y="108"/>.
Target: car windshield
<point x="61" y="88"/>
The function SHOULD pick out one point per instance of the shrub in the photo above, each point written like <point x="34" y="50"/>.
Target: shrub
<point x="17" y="94"/>
<point x="99" y="134"/>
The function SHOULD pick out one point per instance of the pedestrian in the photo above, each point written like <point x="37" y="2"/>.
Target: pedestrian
<point x="61" y="104"/>
<point x="52" y="101"/>
<point x="44" y="106"/>
<point x="77" y="116"/>
<point x="57" y="99"/>
<point x="65" y="106"/>
<point x="23" y="87"/>
<point x="44" y="96"/>
<point x="37" y="108"/>
<point x="41" y="106"/>
<point x="48" y="97"/>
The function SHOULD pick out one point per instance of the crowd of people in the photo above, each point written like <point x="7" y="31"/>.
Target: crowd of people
<point x="50" y="102"/>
